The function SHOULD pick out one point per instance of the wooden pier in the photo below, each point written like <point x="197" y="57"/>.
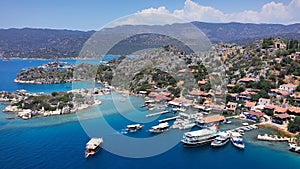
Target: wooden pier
<point x="168" y="119"/>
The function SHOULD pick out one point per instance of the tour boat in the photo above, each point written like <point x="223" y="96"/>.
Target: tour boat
<point x="93" y="146"/>
<point x="199" y="137"/>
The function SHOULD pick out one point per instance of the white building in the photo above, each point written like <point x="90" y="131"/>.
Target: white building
<point x="264" y="101"/>
<point x="288" y="87"/>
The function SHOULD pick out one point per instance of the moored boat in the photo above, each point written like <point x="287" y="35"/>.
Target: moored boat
<point x="294" y="148"/>
<point x="199" y="137"/>
<point x="237" y="140"/>
<point x="160" y="128"/>
<point x="134" y="127"/>
<point x="93" y="146"/>
<point x="220" y="140"/>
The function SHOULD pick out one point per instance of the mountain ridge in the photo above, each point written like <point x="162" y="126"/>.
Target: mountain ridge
<point x="63" y="43"/>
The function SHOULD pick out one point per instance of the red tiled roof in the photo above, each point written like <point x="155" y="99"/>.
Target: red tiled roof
<point x="246" y="79"/>
<point x="282" y="92"/>
<point x="289" y="85"/>
<point x="270" y="106"/>
<point x="230" y="85"/>
<point x="294" y="110"/>
<point x="214" y="118"/>
<point x="258" y="114"/>
<point x="283" y="116"/>
<point x="201" y="82"/>
<point x="250" y="104"/>
<point x="280" y="109"/>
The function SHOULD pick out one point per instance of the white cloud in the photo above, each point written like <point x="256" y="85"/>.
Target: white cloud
<point x="271" y="12"/>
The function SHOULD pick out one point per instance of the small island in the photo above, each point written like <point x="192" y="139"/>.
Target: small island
<point x="27" y="105"/>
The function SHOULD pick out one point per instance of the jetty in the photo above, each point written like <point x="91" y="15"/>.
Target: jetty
<point x="267" y="137"/>
<point x="168" y="119"/>
<point x="158" y="113"/>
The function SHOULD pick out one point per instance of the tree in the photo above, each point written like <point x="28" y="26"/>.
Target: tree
<point x="268" y="112"/>
<point x="294" y="126"/>
<point x="297" y="89"/>
<point x="237" y="89"/>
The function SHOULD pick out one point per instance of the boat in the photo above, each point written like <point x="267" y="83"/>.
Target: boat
<point x="245" y="124"/>
<point x="294" y="148"/>
<point x="237" y="140"/>
<point x="241" y="131"/>
<point x="162" y="127"/>
<point x="93" y="146"/>
<point x="199" y="137"/>
<point x="220" y="140"/>
<point x="133" y="127"/>
<point x="228" y="122"/>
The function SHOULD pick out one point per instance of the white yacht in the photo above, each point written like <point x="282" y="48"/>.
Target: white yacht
<point x="133" y="127"/>
<point x="160" y="128"/>
<point x="199" y="137"/>
<point x="93" y="146"/>
<point x="237" y="140"/>
<point x="221" y="139"/>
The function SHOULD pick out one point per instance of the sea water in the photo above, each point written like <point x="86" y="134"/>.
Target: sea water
<point x="59" y="141"/>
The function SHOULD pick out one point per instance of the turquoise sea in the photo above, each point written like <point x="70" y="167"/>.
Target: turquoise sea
<point x="59" y="141"/>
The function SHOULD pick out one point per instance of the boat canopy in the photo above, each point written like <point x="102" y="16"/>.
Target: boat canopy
<point x="198" y="133"/>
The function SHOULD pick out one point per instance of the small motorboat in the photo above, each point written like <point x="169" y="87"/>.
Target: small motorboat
<point x="134" y="127"/>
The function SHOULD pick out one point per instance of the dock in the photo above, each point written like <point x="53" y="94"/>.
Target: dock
<point x="267" y="137"/>
<point x="156" y="114"/>
<point x="168" y="119"/>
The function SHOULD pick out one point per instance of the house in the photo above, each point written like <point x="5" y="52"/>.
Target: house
<point x="210" y="120"/>
<point x="246" y="80"/>
<point x="263" y="101"/>
<point x="230" y="86"/>
<point x="199" y="93"/>
<point x="231" y="107"/>
<point x="280" y="110"/>
<point x="232" y="97"/>
<point x="202" y="82"/>
<point x="279" y="44"/>
<point x="294" y="56"/>
<point x="280" y="118"/>
<point x="279" y="93"/>
<point x="294" y="110"/>
<point x="254" y="115"/>
<point x="249" y="105"/>
<point x="288" y="87"/>
<point x="246" y="95"/>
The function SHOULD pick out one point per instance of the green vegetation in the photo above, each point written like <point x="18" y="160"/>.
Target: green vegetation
<point x="48" y="102"/>
<point x="294" y="125"/>
<point x="267" y="42"/>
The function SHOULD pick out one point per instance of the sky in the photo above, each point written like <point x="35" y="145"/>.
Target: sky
<point x="95" y="14"/>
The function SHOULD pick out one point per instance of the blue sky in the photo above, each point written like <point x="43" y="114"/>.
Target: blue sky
<point x="93" y="14"/>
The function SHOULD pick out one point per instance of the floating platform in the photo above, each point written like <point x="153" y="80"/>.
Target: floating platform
<point x="156" y="114"/>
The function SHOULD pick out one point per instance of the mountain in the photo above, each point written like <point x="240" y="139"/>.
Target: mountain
<point x="41" y="43"/>
<point x="50" y="43"/>
<point x="237" y="32"/>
